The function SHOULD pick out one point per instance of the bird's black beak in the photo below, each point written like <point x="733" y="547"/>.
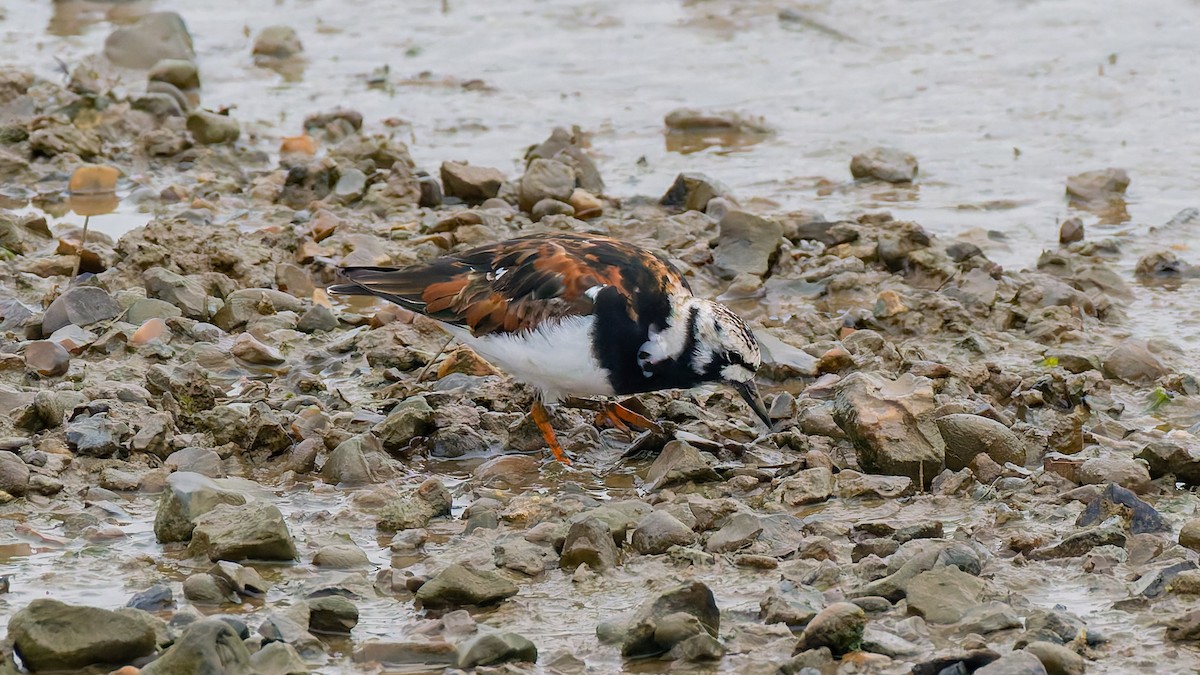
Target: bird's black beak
<point x="750" y="395"/>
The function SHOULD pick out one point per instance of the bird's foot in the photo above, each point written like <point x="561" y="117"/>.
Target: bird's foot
<point x="542" y="419"/>
<point x="625" y="419"/>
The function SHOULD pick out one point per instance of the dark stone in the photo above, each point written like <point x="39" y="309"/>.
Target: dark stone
<point x="1115" y="499"/>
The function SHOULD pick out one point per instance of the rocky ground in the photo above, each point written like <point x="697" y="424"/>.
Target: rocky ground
<point x="206" y="466"/>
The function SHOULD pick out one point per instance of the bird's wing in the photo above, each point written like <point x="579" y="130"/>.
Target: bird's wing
<point x="514" y="285"/>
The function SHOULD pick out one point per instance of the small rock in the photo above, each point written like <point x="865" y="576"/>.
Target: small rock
<point x="96" y="436"/>
<point x="317" y="318"/>
<point x="586" y="204"/>
<point x="550" y="207"/>
<point x="79" y="306"/>
<point x="207" y="647"/>
<point x="1014" y="663"/>
<point x="741" y="531"/>
<point x="679" y="463"/>
<point x="989" y="617"/>
<point x="1132" y="362"/>
<point x="1115" y="499"/>
<point x="693" y="599"/>
<point x="187" y="497"/>
<point x="340" y="557"/>
<point x="886" y="164"/>
<point x="545" y="179"/>
<point x="1189" y="535"/>
<point x="14" y="474"/>
<point x="1079" y="543"/>
<point x="51" y="635"/>
<point x="242" y="579"/>
<point x="204" y="461"/>
<point x="659" y="531"/>
<point x="943" y="595"/>
<point x="411" y="418"/>
<point x="253" y="531"/>
<point x="415" y="510"/>
<point x="806" y="487"/>
<point x="209" y="128"/>
<point x="968" y="435"/>
<point x="524" y="556"/>
<point x="472" y="184"/>
<point x="46" y="358"/>
<point x="458" y="586"/>
<point x="839" y="627"/>
<point x="1057" y="659"/>
<point x="156" y="36"/>
<point x="248" y="349"/>
<point x="347" y="464"/>
<point x="746" y="244"/>
<point x="500" y="647"/>
<point x="332" y="614"/>
<point x="889" y="424"/>
<point x="277" y="42"/>
<point x="1097" y="187"/>
<point x="589" y="541"/>
<point x="157" y="598"/>
<point x="277" y="658"/>
<point x="206" y="589"/>
<point x="180" y="73"/>
<point x="1128" y="473"/>
<point x="1071" y="231"/>
<point x="185" y="293"/>
<point x="693" y="192"/>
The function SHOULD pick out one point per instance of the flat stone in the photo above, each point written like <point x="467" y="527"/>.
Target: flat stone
<point x="458" y="586"/>
<point x="254" y="531"/>
<point x="472" y="184"/>
<point x="943" y="595"/>
<point x="207" y="589"/>
<point x="1142" y="517"/>
<point x="500" y="647"/>
<point x="524" y="556"/>
<point x="1133" y="362"/>
<point x="659" y="531"/>
<point x="187" y="294"/>
<point x="1014" y="663"/>
<point x="332" y="615"/>
<point x="204" y="461"/>
<point x="96" y="436"/>
<point x="1057" y="659"/>
<point x="886" y="164"/>
<point x="1079" y="543"/>
<point x="340" y="557"/>
<point x="250" y="350"/>
<point x="79" y="306"/>
<point x="278" y="42"/>
<point x="1124" y="471"/>
<point x="157" y="598"/>
<point x="890" y="424"/>
<point x="278" y="658"/>
<point x="746" y="244"/>
<point x="809" y="486"/>
<point x="432" y="654"/>
<point x="741" y="531"/>
<point x="50" y="635"/>
<point x="156" y="36"/>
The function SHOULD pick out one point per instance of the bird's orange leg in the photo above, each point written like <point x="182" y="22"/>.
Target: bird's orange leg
<point x="623" y="418"/>
<point x="542" y="419"/>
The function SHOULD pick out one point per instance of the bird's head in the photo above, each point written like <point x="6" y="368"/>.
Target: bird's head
<point x="726" y="351"/>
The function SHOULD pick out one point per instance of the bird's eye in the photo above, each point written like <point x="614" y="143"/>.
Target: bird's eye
<point x="734" y="359"/>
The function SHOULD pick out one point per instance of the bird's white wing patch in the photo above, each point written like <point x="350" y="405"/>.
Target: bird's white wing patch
<point x="592" y="292"/>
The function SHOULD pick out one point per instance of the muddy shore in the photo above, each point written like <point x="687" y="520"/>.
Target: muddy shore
<point x="205" y="462"/>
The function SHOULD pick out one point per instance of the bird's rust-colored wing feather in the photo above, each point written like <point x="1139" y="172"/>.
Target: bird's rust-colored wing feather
<point x="514" y="285"/>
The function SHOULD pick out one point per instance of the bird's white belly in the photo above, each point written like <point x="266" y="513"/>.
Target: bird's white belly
<point x="556" y="357"/>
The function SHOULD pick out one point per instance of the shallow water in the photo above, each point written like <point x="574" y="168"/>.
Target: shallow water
<point x="999" y="101"/>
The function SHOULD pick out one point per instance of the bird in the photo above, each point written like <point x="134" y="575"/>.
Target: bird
<point x="576" y="316"/>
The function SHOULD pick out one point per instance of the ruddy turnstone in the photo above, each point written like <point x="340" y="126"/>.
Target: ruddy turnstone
<point x="576" y="315"/>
